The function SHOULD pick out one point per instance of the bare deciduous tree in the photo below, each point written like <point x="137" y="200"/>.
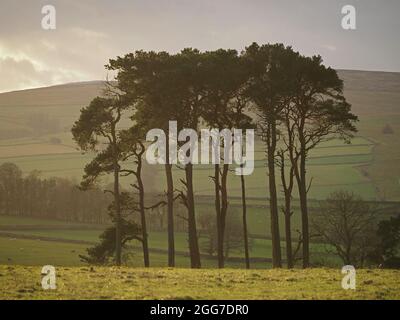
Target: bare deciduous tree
<point x="347" y="224"/>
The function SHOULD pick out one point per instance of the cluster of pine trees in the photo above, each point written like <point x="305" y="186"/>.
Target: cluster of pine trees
<point x="293" y="101"/>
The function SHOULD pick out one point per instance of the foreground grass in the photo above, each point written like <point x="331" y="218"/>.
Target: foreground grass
<point x="21" y="282"/>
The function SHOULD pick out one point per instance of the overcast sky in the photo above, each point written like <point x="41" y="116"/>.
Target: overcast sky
<point x="89" y="32"/>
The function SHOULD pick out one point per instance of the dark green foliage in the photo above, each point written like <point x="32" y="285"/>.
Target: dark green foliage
<point x="98" y="124"/>
<point x="104" y="252"/>
<point x="387" y="253"/>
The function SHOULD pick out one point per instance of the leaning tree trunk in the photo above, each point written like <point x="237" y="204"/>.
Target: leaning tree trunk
<point x="193" y="240"/>
<point x="244" y="211"/>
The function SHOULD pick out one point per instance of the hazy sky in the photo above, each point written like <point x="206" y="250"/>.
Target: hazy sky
<point x="89" y="32"/>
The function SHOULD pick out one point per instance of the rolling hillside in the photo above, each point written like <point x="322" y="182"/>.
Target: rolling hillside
<point x="35" y="134"/>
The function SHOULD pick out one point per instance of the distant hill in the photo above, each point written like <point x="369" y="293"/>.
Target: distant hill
<point x="77" y="93"/>
<point x="368" y="91"/>
<point x="370" y="80"/>
<point x="50" y="110"/>
<point x="372" y="92"/>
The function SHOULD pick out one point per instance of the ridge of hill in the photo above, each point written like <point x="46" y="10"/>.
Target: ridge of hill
<point x="75" y="93"/>
<point x="368" y="91"/>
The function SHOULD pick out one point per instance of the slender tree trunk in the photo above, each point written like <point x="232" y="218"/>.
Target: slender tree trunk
<point x="170" y="208"/>
<point x="170" y="215"/>
<point x="220" y="239"/>
<point x="273" y="201"/>
<point x="117" y="199"/>
<point x="142" y="213"/>
<point x="118" y="245"/>
<point x="287" y="210"/>
<point x="302" y="186"/>
<point x="244" y="211"/>
<point x="224" y="206"/>
<point x="288" y="232"/>
<point x="304" y="216"/>
<point x="193" y="240"/>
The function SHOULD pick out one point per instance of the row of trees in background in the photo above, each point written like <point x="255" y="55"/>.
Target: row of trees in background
<point x="36" y="196"/>
<point x="295" y="102"/>
<point x="53" y="198"/>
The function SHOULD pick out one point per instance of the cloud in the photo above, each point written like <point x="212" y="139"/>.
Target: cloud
<point x="90" y="32"/>
<point x="67" y="55"/>
<point x="16" y="74"/>
<point x="24" y="73"/>
<point x="329" y="47"/>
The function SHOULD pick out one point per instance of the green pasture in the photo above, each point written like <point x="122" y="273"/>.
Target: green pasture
<point x="178" y="284"/>
<point x="46" y="241"/>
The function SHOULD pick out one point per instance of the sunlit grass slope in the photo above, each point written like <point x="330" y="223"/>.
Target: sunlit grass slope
<point x="18" y="282"/>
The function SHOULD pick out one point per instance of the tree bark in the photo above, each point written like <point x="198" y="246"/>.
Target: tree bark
<point x="302" y="186"/>
<point x="142" y="212"/>
<point x="273" y="201"/>
<point x="244" y="211"/>
<point x="304" y="219"/>
<point x="170" y="208"/>
<point x="288" y="232"/>
<point x="193" y="240"/>
<point x="170" y="215"/>
<point x="118" y="245"/>
<point x="224" y="207"/>
<point x="220" y="239"/>
<point x="287" y="190"/>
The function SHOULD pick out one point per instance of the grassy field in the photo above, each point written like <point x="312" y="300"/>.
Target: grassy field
<point x="19" y="282"/>
<point x="30" y="241"/>
<point x="41" y="251"/>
